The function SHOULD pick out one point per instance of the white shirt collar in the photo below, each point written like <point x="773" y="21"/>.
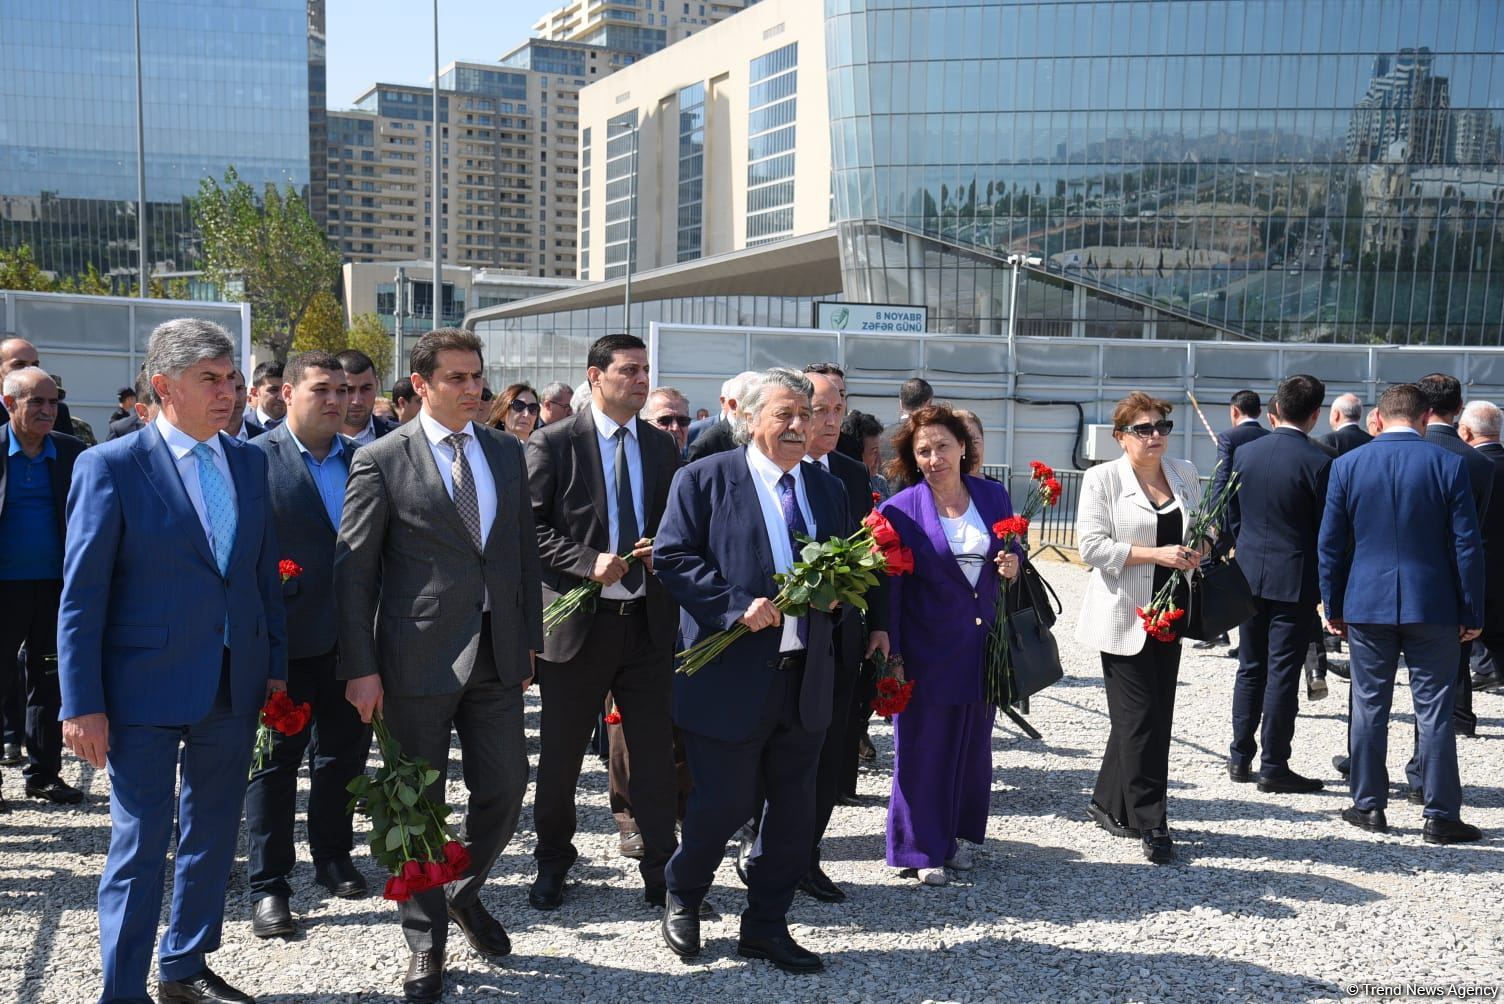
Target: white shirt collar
<point x="262" y="418"/>
<point x="180" y="443"/>
<point x="823" y="463"/>
<point x="1402" y="430"/>
<point x="606" y="426"/>
<point x="1248" y="421"/>
<point x="763" y="466"/>
<point x="437" y="434"/>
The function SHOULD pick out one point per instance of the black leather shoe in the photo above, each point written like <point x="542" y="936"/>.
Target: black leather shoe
<point x="819" y="885"/>
<point x="1339" y="668"/>
<point x="12" y="756"/>
<point x="340" y="877"/>
<point x="204" y="988"/>
<point x="424" y="982"/>
<point x="1415" y="796"/>
<point x="270" y="918"/>
<point x="631" y="846"/>
<point x="56" y="791"/>
<point x="1216" y="642"/>
<point x="1371" y="820"/>
<point x="657" y="895"/>
<point x="681" y="930"/>
<point x="1342" y="764"/>
<point x="483" y="931"/>
<point x="1157" y="846"/>
<point x="1450" y="831"/>
<point x="4" y="806"/>
<point x="849" y="800"/>
<point x="1241" y="772"/>
<point x="783" y="951"/>
<point x="1289" y="783"/>
<point x="547" y="892"/>
<point x="1104" y="819"/>
<point x="744" y="845"/>
<point x="1487" y="681"/>
<point x="1464" y="730"/>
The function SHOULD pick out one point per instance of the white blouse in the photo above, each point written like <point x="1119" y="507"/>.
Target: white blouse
<point x="967" y="536"/>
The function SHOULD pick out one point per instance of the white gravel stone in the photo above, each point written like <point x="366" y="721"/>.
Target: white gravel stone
<point x="1271" y="898"/>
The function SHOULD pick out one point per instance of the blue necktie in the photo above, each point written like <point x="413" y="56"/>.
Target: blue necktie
<point x="794" y="518"/>
<point x="218" y="505"/>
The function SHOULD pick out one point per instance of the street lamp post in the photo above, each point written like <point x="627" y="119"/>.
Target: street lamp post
<point x="398" y="301"/>
<point x="1014" y="261"/>
<point x="438" y="147"/>
<point x="140" y="158"/>
<point x="631" y="237"/>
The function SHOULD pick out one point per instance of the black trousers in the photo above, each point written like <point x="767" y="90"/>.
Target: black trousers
<point x="839" y="747"/>
<point x="28" y="616"/>
<point x="618" y="658"/>
<point x="337" y="745"/>
<point x="1135" y="772"/>
<point x="1266" y="696"/>
<point x="857" y="715"/>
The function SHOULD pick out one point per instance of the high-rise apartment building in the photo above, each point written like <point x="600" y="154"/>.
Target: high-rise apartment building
<point x="224" y="85"/>
<point x="638" y="27"/>
<point x="509" y="140"/>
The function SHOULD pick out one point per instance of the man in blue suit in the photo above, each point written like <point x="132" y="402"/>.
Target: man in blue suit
<point x="176" y="673"/>
<point x="1402" y="571"/>
<point x="753" y="720"/>
<point x="1274" y="516"/>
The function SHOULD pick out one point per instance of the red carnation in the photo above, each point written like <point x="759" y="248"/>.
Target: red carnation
<point x="289" y="569"/>
<point x="1013" y="526"/>
<point x="396" y="890"/>
<point x="876" y="498"/>
<point x="613" y="717"/>
<point x="1050" y="491"/>
<point x="899" y="561"/>
<point x="892" y="696"/>
<point x="1041" y="471"/>
<point x="883" y="534"/>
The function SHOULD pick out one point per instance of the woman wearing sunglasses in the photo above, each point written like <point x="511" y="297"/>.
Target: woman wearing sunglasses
<point x="1129" y="527"/>
<point x="516" y="411"/>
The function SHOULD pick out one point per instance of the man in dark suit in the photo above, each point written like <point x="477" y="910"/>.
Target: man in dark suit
<point x="143" y="410"/>
<point x="266" y="408"/>
<point x="716" y="437"/>
<point x="437" y="551"/>
<point x="242" y="427"/>
<point x="34" y="480"/>
<point x="1402" y="572"/>
<point x="914" y="394"/>
<point x="599" y="482"/>
<point x="162" y="684"/>
<point x="1346" y="420"/>
<point x="308" y="463"/>
<point x="1243" y="412"/>
<point x="18" y="353"/>
<point x="1479" y="428"/>
<point x="756" y="717"/>
<point x="1274" y="517"/>
<point x="361" y="424"/>
<point x="1443" y="394"/>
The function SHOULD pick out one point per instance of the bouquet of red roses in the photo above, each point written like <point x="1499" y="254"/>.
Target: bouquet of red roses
<point x="1044" y="493"/>
<point x="1160" y="616"/>
<point x="409" y="835"/>
<point x="278" y="715"/>
<point x="839" y="570"/>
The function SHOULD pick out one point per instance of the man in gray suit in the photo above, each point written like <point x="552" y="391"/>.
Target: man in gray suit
<point x="307" y="463"/>
<point x="437" y="550"/>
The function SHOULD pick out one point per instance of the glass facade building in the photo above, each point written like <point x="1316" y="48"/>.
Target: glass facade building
<point x="224" y="85"/>
<point x="1318" y="170"/>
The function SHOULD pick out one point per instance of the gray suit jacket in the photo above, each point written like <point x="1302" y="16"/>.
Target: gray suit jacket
<point x="304" y="534"/>
<point x="410" y="582"/>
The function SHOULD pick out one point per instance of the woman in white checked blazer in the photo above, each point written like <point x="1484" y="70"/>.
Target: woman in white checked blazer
<point x="1129" y="526"/>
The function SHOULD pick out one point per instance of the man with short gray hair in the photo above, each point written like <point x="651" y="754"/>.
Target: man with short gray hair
<point x="1479" y="427"/>
<point x="18" y="353"/>
<point x="555" y="403"/>
<point x="163" y="685"/>
<point x="1346" y="420"/>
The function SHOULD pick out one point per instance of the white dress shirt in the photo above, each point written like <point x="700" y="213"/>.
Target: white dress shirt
<point x="765" y="477"/>
<point x="181" y="446"/>
<point x="242" y="435"/>
<point x="263" y="419"/>
<point x="605" y="434"/>
<point x="368" y="435"/>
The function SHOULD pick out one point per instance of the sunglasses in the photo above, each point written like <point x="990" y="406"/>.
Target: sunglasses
<point x="518" y="406"/>
<point x="1146" y="429"/>
<point x="682" y="421"/>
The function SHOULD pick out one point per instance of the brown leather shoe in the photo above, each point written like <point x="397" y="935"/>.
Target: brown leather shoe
<point x="424" y="982"/>
<point x="483" y="931"/>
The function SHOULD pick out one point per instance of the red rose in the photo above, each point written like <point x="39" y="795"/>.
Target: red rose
<point x="396" y="890"/>
<point x="876" y="498"/>
<point x="412" y="874"/>
<point x="883" y="534"/>
<point x="899" y="561"/>
<point x="457" y="856"/>
<point x="1013" y="526"/>
<point x="436" y="873"/>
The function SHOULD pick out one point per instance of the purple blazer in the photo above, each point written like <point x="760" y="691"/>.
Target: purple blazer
<point x="938" y="621"/>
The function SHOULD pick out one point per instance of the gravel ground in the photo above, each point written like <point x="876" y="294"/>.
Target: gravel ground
<point x="1271" y="899"/>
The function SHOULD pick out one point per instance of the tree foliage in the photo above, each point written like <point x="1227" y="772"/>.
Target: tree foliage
<point x="269" y="245"/>
<point x="324" y="328"/>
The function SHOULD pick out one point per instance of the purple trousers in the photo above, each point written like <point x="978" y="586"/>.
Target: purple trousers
<point x="942" y="782"/>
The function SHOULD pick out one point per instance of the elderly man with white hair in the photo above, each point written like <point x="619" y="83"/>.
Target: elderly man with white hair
<point x="1346" y="420"/>
<point x="1479" y="427"/>
<point x="718" y="437"/>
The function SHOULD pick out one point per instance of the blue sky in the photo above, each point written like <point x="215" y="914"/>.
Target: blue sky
<point x="392" y="40"/>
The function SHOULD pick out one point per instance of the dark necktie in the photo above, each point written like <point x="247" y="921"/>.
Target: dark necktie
<point x="465" y="498"/>
<point x="794" y="518"/>
<point x="627" y="533"/>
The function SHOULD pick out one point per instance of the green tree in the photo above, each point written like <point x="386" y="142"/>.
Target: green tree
<point x="272" y="247"/>
<point x="324" y="328"/>
<point x="19" y="271"/>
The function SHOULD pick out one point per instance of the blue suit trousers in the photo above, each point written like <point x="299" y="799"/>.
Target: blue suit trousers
<point x="145" y="762"/>
<point x="1431" y="654"/>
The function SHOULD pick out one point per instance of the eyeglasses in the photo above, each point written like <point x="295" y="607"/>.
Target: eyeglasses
<point x="560" y="404"/>
<point x="518" y="406"/>
<point x="1146" y="429"/>
<point x="682" y="421"/>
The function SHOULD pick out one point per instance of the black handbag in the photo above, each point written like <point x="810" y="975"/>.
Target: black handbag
<point x="1035" y="655"/>
<point x="1219" y="599"/>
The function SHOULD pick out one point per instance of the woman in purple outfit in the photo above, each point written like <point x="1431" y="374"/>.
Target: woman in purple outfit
<point x="942" y="763"/>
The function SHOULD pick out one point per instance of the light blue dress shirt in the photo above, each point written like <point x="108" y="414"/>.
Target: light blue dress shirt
<point x="605" y="432"/>
<point x="329" y="475"/>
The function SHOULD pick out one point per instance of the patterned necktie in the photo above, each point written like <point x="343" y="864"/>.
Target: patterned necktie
<point x="218" y="505"/>
<point x="794" y="518"/>
<point x="627" y="533"/>
<point x="464" y="486"/>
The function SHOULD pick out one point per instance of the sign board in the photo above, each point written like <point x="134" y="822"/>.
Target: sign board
<point x="893" y="318"/>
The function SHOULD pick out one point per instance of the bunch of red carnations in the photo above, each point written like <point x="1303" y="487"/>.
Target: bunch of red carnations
<point x="279" y="714"/>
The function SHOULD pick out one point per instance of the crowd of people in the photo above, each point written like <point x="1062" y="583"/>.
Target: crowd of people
<point x="397" y="566"/>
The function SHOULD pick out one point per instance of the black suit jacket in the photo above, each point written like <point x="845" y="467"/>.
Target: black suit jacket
<point x="1493" y="546"/>
<point x="1480" y="470"/>
<point x="853" y="477"/>
<point x="253" y="429"/>
<point x="1346" y="439"/>
<point x="568" y="490"/>
<point x="1276" y="514"/>
<point x="124" y="426"/>
<point x="306" y="535"/>
<point x="61" y="470"/>
<point x="716" y="439"/>
<point x="1228" y="442"/>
